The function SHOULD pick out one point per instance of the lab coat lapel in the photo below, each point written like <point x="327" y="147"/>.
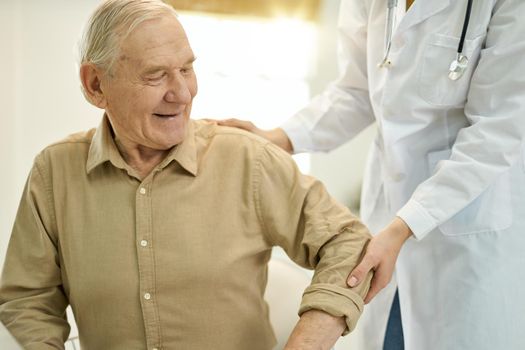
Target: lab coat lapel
<point x="420" y="11"/>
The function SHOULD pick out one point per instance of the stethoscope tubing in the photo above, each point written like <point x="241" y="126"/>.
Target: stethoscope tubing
<point x="465" y="26"/>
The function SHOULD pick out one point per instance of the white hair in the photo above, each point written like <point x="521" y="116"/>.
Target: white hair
<point x="111" y="23"/>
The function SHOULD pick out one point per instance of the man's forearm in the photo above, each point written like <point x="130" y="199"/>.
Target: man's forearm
<point x="316" y="330"/>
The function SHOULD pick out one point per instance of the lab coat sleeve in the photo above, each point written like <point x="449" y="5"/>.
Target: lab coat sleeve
<point x="297" y="213"/>
<point x="32" y="299"/>
<point x="492" y="143"/>
<point x="343" y="109"/>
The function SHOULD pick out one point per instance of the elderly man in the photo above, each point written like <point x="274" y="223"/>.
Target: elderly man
<point x="157" y="229"/>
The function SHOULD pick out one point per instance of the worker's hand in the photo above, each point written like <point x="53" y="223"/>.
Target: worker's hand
<point x="276" y="136"/>
<point x="381" y="255"/>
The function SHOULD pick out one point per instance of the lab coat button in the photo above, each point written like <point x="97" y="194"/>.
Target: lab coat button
<point x="397" y="177"/>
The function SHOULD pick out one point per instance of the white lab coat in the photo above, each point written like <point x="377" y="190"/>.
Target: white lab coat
<point x="448" y="159"/>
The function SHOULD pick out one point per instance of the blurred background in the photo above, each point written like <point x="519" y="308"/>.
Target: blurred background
<point x="256" y="60"/>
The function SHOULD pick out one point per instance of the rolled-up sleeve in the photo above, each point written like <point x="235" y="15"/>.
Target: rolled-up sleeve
<point x="32" y="299"/>
<point x="297" y="213"/>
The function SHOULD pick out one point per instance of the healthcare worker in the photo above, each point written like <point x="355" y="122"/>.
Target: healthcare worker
<point x="445" y="83"/>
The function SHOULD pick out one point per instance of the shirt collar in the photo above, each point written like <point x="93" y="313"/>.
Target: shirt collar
<point x="185" y="153"/>
<point x="103" y="149"/>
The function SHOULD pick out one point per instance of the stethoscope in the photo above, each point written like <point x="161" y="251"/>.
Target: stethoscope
<point x="457" y="67"/>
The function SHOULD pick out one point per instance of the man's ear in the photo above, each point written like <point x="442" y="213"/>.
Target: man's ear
<point x="91" y="78"/>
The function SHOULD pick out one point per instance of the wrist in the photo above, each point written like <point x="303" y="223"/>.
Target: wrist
<point x="280" y="138"/>
<point x="400" y="229"/>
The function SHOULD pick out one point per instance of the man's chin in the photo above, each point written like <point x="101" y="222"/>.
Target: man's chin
<point x="168" y="138"/>
<point x="167" y="144"/>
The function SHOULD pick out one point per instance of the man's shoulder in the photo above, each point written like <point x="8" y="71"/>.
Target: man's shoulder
<point x="237" y="141"/>
<point x="239" y="146"/>
<point x="211" y="130"/>
<point x="78" y="142"/>
<point x="78" y="138"/>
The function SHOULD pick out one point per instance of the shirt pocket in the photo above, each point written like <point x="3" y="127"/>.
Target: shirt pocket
<point x="491" y="211"/>
<point x="435" y="87"/>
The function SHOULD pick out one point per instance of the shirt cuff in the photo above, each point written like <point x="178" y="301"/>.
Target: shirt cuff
<point x="417" y="218"/>
<point x="334" y="300"/>
<point x="298" y="134"/>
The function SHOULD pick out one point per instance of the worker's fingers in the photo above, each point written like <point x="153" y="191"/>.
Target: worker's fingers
<point x="359" y="273"/>
<point x="382" y="277"/>
<point x="381" y="255"/>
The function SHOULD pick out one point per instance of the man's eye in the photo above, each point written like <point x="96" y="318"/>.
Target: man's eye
<point x="157" y="76"/>
<point x="186" y="70"/>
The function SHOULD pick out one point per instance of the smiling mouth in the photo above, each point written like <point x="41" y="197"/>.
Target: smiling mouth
<point x="166" y="115"/>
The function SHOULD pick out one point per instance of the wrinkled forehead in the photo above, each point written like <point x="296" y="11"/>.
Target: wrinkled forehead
<point x="155" y="41"/>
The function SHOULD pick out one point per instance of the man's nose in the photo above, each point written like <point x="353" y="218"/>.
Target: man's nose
<point x="178" y="91"/>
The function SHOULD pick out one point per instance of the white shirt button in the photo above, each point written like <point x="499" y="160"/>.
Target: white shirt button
<point x="144" y="243"/>
<point x="147" y="296"/>
<point x="142" y="190"/>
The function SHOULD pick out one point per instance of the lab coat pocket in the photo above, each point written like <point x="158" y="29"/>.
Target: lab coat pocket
<point x="435" y="86"/>
<point x="491" y="211"/>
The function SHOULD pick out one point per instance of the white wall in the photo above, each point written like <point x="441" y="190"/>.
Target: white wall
<point x="40" y="98"/>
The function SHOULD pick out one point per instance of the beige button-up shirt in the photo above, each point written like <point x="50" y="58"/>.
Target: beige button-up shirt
<point x="177" y="260"/>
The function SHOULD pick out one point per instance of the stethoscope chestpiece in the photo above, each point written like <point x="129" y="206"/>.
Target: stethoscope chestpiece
<point x="458" y="67"/>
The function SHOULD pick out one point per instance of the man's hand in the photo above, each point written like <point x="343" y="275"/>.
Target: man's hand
<point x="276" y="136"/>
<point x="316" y="330"/>
<point x="381" y="255"/>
